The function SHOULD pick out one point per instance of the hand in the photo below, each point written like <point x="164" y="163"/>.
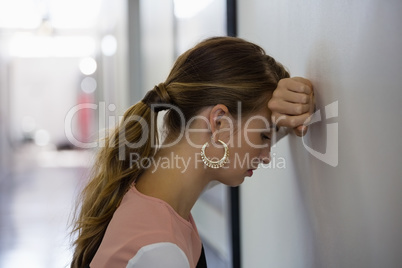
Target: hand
<point x="292" y="103"/>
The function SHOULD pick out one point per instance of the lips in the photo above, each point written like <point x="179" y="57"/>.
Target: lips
<point x="250" y="172"/>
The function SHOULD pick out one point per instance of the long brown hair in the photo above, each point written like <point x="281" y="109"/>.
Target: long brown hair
<point x="220" y="70"/>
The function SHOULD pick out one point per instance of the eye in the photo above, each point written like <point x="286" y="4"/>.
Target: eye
<point x="265" y="137"/>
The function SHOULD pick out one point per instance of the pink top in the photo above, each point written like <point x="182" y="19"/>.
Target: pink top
<point x="146" y="231"/>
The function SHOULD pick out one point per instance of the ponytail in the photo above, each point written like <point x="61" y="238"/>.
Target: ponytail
<point x="112" y="176"/>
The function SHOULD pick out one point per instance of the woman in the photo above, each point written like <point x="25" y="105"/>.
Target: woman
<point x="136" y="208"/>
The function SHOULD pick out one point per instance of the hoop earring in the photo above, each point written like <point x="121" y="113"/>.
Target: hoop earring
<point x="215" y="164"/>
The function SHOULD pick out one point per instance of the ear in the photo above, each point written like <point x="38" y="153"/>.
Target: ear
<point x="218" y="117"/>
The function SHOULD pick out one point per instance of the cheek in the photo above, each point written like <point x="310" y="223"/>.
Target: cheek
<point x="240" y="159"/>
<point x="247" y="148"/>
<point x="253" y="140"/>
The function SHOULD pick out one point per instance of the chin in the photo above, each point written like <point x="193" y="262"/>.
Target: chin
<point x="232" y="181"/>
<point x="235" y="183"/>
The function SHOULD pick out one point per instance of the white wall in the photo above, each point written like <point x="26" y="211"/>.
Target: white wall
<point x="5" y="148"/>
<point x="113" y="68"/>
<point x="157" y="41"/>
<point x="206" y="19"/>
<point x="309" y="213"/>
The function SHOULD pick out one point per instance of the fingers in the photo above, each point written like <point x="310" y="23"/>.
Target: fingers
<point x="292" y="121"/>
<point x="297" y="84"/>
<point x="292" y="104"/>
<point x="300" y="130"/>
<point x="291" y="96"/>
<point x="312" y="103"/>
<point x="289" y="108"/>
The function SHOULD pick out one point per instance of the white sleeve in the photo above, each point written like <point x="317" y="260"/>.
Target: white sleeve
<point x="159" y="255"/>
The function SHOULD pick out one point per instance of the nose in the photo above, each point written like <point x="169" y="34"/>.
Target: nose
<point x="265" y="156"/>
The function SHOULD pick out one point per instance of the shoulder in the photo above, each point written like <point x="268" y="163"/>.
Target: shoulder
<point x="140" y="222"/>
<point x="158" y="255"/>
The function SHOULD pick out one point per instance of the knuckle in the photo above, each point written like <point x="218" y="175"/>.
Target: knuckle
<point x="306" y="108"/>
<point x="305" y="119"/>
<point x="309" y="89"/>
<point x="298" y="109"/>
<point x="282" y="81"/>
<point x="272" y="104"/>
<point x="276" y="94"/>
<point x="293" y="122"/>
<point x="275" y="116"/>
<point x="279" y="120"/>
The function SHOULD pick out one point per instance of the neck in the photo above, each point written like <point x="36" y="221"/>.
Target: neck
<point x="176" y="176"/>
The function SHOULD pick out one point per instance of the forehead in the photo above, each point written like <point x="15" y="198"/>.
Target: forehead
<point x="260" y="118"/>
<point x="264" y="112"/>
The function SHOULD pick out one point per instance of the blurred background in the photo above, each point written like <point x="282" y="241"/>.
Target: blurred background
<point x="69" y="69"/>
